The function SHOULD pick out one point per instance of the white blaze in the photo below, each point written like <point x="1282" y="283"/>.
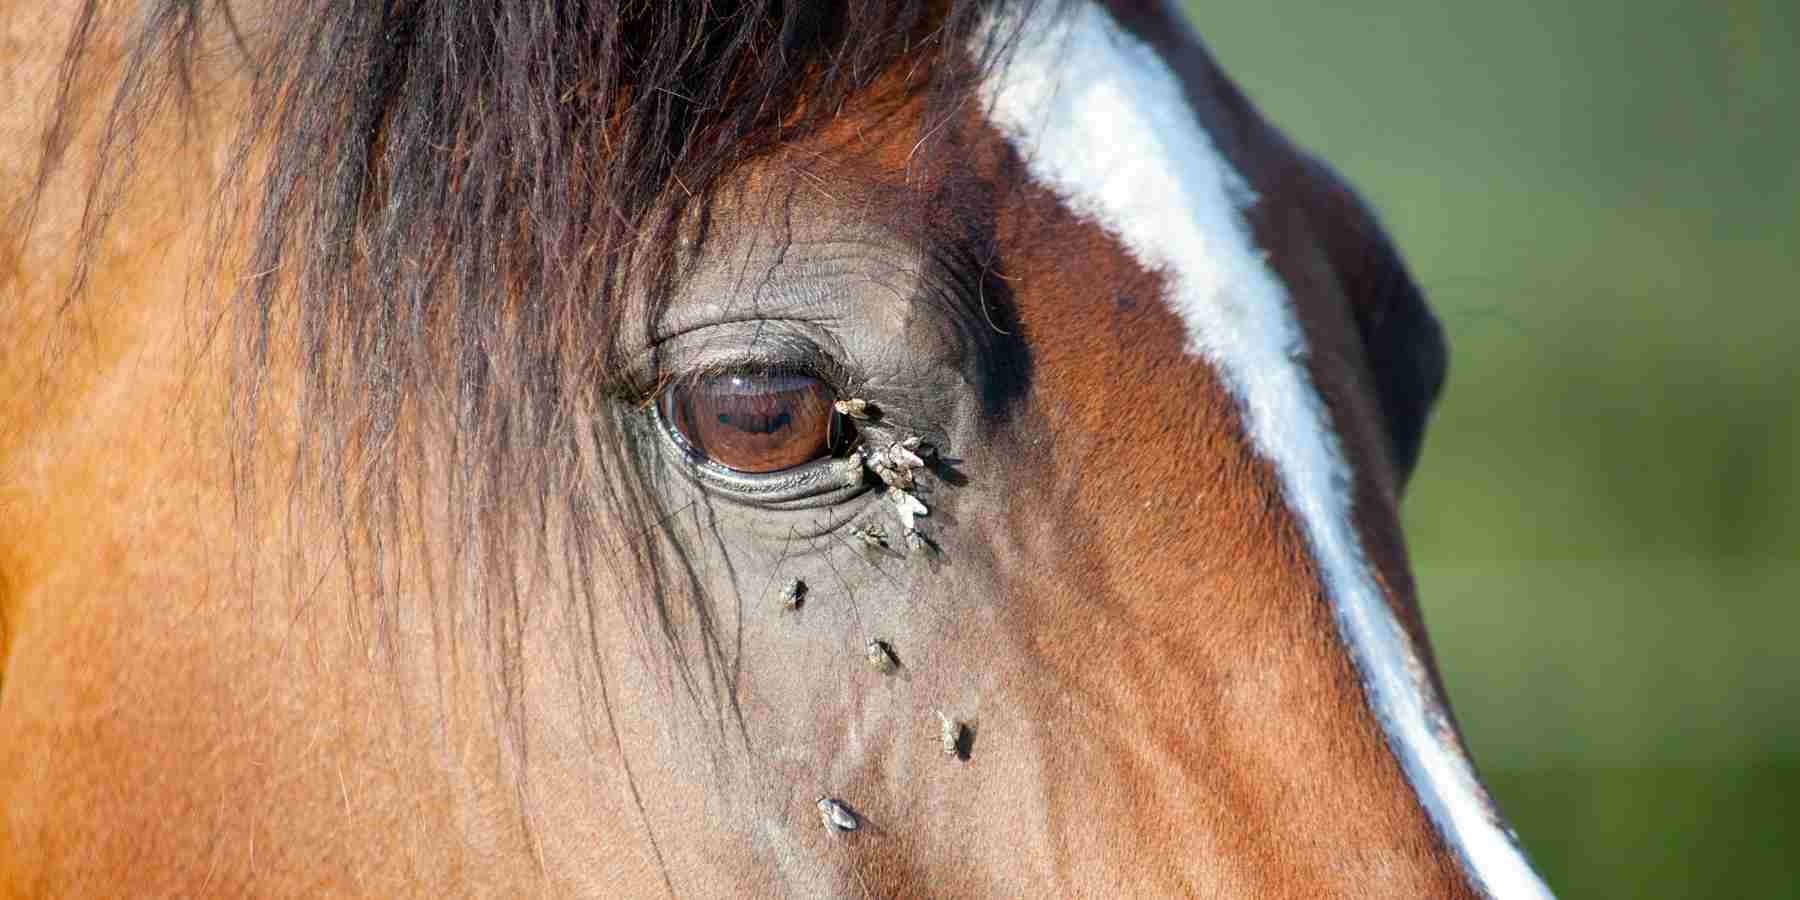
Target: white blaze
<point x="1101" y="120"/>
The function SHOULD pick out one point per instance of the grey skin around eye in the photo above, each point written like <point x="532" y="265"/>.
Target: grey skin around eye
<point x="890" y="320"/>
<point x="859" y="307"/>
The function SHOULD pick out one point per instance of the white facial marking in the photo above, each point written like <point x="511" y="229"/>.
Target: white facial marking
<point x="1099" y="118"/>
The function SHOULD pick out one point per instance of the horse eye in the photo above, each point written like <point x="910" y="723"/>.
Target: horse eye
<point x="755" y="423"/>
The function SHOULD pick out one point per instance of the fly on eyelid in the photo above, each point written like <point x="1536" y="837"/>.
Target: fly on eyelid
<point x="908" y="508"/>
<point x="856" y="408"/>
<point x="896" y="464"/>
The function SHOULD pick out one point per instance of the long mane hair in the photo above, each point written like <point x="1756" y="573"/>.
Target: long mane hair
<point x="436" y="207"/>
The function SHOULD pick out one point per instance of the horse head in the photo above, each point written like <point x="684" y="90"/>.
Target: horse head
<point x="938" y="448"/>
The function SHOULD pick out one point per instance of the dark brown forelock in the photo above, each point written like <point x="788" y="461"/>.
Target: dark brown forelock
<point x="449" y="200"/>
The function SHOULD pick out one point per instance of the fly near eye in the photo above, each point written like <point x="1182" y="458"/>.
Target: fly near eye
<point x="757" y="422"/>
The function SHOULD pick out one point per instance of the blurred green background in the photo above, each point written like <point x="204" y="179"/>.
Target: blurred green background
<point x="1603" y="200"/>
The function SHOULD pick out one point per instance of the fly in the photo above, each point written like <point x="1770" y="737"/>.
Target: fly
<point x="794" y="595"/>
<point x="836" y="816"/>
<point x="950" y="734"/>
<point x="896" y="464"/>
<point x="881" y="657"/>
<point x="909" y="509"/>
<point x="872" y="536"/>
<point x="856" y="408"/>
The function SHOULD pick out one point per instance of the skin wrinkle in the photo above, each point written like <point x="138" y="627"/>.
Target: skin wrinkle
<point x="1124" y="612"/>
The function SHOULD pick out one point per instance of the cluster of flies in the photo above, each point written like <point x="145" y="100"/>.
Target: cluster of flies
<point x="896" y="464"/>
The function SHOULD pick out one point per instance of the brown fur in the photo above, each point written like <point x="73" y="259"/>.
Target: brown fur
<point x="1167" y="709"/>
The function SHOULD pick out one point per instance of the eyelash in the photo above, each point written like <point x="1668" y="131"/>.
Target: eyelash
<point x="801" y="358"/>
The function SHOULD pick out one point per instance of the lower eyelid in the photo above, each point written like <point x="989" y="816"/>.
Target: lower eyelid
<point x="820" y="483"/>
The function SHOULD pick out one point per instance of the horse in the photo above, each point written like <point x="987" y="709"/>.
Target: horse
<point x="917" y="448"/>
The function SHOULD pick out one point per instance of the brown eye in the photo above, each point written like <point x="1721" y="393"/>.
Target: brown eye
<point x="754" y="423"/>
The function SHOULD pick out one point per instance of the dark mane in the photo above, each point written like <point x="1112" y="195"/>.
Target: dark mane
<point x="441" y="202"/>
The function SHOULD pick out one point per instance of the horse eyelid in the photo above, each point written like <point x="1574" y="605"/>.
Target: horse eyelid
<point x="770" y="355"/>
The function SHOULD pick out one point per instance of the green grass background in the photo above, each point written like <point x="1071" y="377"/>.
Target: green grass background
<point x="1602" y="200"/>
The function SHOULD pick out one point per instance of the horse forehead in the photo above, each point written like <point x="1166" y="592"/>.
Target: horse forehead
<point x="1126" y="144"/>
